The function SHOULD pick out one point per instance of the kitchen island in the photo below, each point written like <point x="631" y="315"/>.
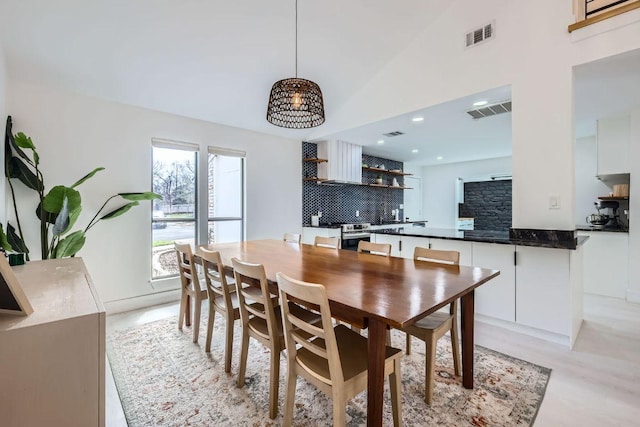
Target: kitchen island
<point x="539" y="290"/>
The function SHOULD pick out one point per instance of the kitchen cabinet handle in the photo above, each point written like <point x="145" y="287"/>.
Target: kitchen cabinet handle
<point x="515" y="258"/>
<point x="400" y="245"/>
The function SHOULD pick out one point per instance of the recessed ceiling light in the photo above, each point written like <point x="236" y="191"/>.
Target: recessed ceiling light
<point x="480" y="103"/>
<point x="381" y="141"/>
<point x="439" y="158"/>
<point x="415" y="150"/>
<point x="417" y="119"/>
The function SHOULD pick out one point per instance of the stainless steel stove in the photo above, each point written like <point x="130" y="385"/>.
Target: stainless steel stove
<point x="353" y="233"/>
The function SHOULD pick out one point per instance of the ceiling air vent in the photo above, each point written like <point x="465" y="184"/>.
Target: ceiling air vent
<point x="482" y="34"/>
<point x="490" y="110"/>
<point x="394" y="133"/>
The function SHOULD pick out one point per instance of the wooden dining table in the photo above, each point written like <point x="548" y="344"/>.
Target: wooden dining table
<point x="373" y="292"/>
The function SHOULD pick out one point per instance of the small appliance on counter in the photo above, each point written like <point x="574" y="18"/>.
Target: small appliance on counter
<point x="607" y="216"/>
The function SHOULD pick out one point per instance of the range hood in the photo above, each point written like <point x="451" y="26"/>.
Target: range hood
<point x="344" y="162"/>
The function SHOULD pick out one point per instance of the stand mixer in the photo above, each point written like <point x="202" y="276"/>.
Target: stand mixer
<point x="608" y="219"/>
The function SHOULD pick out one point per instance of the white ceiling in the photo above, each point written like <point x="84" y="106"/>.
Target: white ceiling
<point x="216" y="60"/>
<point x="213" y="60"/>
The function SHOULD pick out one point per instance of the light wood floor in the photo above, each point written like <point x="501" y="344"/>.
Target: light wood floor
<point x="596" y="384"/>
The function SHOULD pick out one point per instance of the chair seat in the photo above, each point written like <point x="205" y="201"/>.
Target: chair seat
<point x="353" y="351"/>
<point x="432" y="321"/>
<point x="235" y="304"/>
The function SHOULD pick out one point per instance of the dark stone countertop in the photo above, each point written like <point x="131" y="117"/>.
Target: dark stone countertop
<point x="338" y="225"/>
<point x="601" y="228"/>
<point x="483" y="236"/>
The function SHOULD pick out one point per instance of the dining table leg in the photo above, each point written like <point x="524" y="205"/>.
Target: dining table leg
<point x="375" y="377"/>
<point x="467" y="318"/>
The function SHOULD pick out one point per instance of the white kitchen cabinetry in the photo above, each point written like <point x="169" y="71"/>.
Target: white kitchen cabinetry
<point x="52" y="362"/>
<point x="394" y="241"/>
<point x="497" y="297"/>
<point x="344" y="161"/>
<point x="465" y="248"/>
<point x="606" y="263"/>
<point x="401" y="246"/>
<point x="613" y="145"/>
<point x="309" y="233"/>
<point x="543" y="294"/>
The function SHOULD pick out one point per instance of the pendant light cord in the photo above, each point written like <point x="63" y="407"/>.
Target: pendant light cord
<point x="296" y="74"/>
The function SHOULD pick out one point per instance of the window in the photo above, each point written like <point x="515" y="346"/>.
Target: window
<point x="225" y="196"/>
<point x="175" y="216"/>
<point x="179" y="216"/>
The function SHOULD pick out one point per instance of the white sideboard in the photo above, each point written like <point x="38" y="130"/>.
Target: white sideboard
<point x="52" y="362"/>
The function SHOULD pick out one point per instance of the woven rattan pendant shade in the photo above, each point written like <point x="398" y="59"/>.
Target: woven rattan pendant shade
<point x="295" y="103"/>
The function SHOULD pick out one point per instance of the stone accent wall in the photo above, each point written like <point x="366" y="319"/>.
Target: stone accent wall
<point x="339" y="203"/>
<point x="489" y="203"/>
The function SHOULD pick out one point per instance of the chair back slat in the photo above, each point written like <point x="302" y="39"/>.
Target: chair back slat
<point x="327" y="242"/>
<point x="186" y="265"/>
<point x="214" y="276"/>
<point x="311" y="294"/>
<point x="246" y="275"/>
<point x="435" y="255"/>
<point x="383" y="249"/>
<point x="444" y="257"/>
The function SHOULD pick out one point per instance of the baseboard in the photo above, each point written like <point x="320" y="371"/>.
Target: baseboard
<point x="633" y="296"/>
<point x="143" y="301"/>
<point x="525" y="330"/>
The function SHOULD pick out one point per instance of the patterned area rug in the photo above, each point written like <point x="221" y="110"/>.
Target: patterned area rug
<point x="164" y="379"/>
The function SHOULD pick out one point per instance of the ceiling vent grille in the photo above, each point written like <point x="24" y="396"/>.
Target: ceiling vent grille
<point x="482" y="34"/>
<point x="394" y="133"/>
<point x="490" y="110"/>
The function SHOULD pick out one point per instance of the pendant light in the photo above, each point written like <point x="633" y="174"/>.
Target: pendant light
<point x="295" y="103"/>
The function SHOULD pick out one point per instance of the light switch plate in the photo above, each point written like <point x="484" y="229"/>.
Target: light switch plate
<point x="554" y="201"/>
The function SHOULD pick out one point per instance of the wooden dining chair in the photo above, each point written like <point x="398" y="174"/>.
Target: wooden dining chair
<point x="191" y="288"/>
<point x="383" y="249"/>
<point x="262" y="321"/>
<point x="334" y="359"/>
<point x="291" y="237"/>
<point x="434" y="326"/>
<point x="327" y="242"/>
<point x="222" y="299"/>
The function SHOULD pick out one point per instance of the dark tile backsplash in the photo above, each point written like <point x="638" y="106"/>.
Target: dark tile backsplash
<point x="339" y="203"/>
<point x="489" y="203"/>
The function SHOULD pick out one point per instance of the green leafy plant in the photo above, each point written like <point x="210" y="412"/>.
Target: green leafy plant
<point x="58" y="209"/>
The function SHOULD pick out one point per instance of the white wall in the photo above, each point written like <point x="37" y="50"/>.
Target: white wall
<point x="439" y="187"/>
<point x="588" y="187"/>
<point x="534" y="53"/>
<point x="75" y="133"/>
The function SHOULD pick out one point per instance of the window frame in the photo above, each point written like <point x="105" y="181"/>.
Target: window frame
<point x="201" y="217"/>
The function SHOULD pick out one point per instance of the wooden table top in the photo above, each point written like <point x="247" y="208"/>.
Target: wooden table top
<point x="397" y="291"/>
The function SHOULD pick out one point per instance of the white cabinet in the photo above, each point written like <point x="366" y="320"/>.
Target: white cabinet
<point x="606" y="263"/>
<point x="393" y="240"/>
<point x="344" y="161"/>
<point x="465" y="248"/>
<point x="543" y="294"/>
<point x="497" y="297"/>
<point x="309" y="233"/>
<point x="401" y="246"/>
<point x="52" y="362"/>
<point x="613" y="145"/>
